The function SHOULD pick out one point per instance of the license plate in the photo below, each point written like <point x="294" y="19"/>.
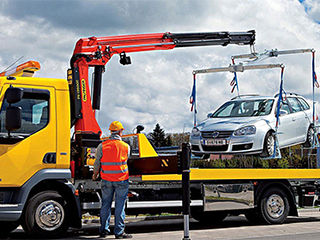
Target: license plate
<point x="215" y="142"/>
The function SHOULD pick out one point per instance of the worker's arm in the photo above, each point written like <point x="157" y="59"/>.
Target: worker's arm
<point x="97" y="163"/>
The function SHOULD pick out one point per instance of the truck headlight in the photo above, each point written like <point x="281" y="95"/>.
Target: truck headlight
<point x="195" y="132"/>
<point x="248" y="130"/>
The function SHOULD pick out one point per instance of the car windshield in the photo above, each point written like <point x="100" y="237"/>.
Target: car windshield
<point x="245" y="108"/>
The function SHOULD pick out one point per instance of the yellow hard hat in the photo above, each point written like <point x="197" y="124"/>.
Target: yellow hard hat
<point x="116" y="126"/>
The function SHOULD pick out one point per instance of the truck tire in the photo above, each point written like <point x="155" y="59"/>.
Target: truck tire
<point x="209" y="217"/>
<point x="45" y="214"/>
<point x="7" y="227"/>
<point x="273" y="206"/>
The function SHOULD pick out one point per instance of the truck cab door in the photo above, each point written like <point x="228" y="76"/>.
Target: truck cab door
<point x="33" y="146"/>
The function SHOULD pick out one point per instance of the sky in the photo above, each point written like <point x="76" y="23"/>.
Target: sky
<point x="156" y="87"/>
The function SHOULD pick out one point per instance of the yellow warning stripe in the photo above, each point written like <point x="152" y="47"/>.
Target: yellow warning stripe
<point x="233" y="174"/>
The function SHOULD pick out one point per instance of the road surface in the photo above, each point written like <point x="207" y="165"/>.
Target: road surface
<point x="306" y="227"/>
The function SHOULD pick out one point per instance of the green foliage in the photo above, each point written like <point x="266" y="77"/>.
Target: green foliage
<point x="168" y="140"/>
<point x="158" y="136"/>
<point x="296" y="157"/>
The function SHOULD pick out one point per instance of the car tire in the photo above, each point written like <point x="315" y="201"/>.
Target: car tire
<point x="310" y="136"/>
<point x="45" y="213"/>
<point x="273" y="206"/>
<point x="268" y="145"/>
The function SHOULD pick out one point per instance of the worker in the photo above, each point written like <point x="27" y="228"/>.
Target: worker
<point x="111" y="162"/>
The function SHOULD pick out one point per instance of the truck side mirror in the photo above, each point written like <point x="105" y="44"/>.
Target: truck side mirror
<point x="13" y="118"/>
<point x="14" y="95"/>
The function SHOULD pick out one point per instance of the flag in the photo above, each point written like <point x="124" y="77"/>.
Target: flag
<point x="314" y="75"/>
<point x="193" y="94"/>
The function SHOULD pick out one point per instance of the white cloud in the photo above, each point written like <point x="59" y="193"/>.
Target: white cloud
<point x="312" y="8"/>
<point x="156" y="87"/>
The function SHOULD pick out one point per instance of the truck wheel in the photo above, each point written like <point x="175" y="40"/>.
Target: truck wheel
<point x="274" y="206"/>
<point x="45" y="214"/>
<point x="7" y="227"/>
<point x="209" y="217"/>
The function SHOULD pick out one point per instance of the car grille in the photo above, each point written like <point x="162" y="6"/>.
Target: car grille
<point x="215" y="148"/>
<point x="195" y="148"/>
<point x="222" y="134"/>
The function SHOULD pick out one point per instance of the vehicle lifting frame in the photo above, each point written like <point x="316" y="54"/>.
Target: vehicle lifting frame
<point x="96" y="52"/>
<point x="254" y="56"/>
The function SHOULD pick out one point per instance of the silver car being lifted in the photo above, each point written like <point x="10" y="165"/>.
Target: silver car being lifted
<point x="246" y="125"/>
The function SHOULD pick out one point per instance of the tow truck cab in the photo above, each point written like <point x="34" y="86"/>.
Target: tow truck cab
<point x="36" y="157"/>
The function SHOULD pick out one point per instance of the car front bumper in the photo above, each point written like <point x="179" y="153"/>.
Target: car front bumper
<point x="248" y="144"/>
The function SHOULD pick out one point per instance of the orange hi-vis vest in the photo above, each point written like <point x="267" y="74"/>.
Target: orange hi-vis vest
<point x="114" y="166"/>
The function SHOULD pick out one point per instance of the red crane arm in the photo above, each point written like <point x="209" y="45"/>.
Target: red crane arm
<point x="97" y="51"/>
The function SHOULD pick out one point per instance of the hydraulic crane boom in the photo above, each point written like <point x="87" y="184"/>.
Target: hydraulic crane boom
<point x="96" y="52"/>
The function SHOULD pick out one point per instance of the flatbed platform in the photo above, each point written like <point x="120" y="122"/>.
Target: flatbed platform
<point x="237" y="174"/>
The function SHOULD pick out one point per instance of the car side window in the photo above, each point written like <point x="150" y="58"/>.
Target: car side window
<point x="34" y="113"/>
<point x="295" y="104"/>
<point x="304" y="104"/>
<point x="285" y="107"/>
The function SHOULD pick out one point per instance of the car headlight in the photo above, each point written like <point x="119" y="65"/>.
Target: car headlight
<point x="195" y="132"/>
<point x="248" y="130"/>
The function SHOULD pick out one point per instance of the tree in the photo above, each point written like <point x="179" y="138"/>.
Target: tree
<point x="158" y="136"/>
<point x="168" y="140"/>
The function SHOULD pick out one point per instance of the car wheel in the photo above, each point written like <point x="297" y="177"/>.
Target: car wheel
<point x="274" y="206"/>
<point x="268" y="146"/>
<point x="310" y="136"/>
<point x="46" y="213"/>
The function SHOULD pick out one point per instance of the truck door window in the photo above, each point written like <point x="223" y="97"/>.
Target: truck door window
<point x="34" y="113"/>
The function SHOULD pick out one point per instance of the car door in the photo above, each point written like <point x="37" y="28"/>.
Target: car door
<point x="301" y="123"/>
<point x="286" y="124"/>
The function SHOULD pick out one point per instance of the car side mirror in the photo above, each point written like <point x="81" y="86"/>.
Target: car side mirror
<point x="13" y="118"/>
<point x="209" y="115"/>
<point x="14" y="95"/>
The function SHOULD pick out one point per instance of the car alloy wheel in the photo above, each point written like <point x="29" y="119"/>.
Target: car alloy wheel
<point x="270" y="144"/>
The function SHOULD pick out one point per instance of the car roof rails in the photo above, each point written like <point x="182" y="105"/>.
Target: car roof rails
<point x="245" y="95"/>
<point x="291" y="94"/>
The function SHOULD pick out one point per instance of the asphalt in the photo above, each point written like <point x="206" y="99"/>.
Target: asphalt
<point x="233" y="227"/>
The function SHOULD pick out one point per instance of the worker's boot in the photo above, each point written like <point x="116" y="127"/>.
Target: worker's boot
<point x="123" y="235"/>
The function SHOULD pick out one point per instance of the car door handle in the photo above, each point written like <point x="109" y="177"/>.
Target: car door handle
<point x="293" y="119"/>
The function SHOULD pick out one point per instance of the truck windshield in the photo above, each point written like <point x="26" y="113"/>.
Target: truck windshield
<point x="245" y="108"/>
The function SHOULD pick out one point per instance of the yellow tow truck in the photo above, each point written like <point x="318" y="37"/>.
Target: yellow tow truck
<point x="45" y="177"/>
